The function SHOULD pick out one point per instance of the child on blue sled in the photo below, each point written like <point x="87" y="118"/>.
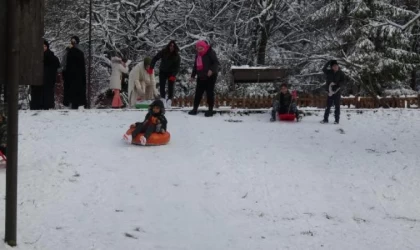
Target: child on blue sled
<point x="284" y="103"/>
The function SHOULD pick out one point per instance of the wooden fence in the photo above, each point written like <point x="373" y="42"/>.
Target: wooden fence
<point x="264" y="102"/>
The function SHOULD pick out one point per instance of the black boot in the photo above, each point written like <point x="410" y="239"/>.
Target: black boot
<point x="209" y="113"/>
<point x="273" y="116"/>
<point x="193" y="112"/>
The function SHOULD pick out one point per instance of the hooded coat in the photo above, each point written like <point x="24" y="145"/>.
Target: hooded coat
<point x="141" y="84"/>
<point x="117" y="70"/>
<point x="162" y="122"/>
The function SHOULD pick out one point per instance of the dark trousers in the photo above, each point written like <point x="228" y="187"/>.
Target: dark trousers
<point x="3" y="150"/>
<point x="74" y="106"/>
<point x="333" y="100"/>
<point x="142" y="127"/>
<point x="163" y="78"/>
<point x="208" y="87"/>
<point x="42" y="97"/>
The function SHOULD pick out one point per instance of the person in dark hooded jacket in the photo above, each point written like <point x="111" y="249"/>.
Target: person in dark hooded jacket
<point x="169" y="68"/>
<point x="42" y="97"/>
<point x="154" y="122"/>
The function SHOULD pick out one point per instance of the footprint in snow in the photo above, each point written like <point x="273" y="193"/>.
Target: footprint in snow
<point x="341" y="131"/>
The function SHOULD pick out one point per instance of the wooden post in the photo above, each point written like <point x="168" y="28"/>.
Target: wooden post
<point x="418" y="101"/>
<point x="22" y="23"/>
<point x="12" y="81"/>
<point x="90" y="57"/>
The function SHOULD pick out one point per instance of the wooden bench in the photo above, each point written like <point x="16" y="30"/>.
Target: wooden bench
<point x="244" y="74"/>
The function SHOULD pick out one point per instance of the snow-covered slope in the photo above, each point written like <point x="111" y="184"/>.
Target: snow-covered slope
<point x="243" y="184"/>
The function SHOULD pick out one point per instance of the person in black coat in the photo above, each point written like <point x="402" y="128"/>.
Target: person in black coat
<point x="169" y="68"/>
<point x="206" y="67"/>
<point x="42" y="97"/>
<point x="74" y="74"/>
<point x="335" y="80"/>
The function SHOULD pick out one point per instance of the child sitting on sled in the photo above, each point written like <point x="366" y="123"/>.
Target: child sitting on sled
<point x="154" y="122"/>
<point x="284" y="103"/>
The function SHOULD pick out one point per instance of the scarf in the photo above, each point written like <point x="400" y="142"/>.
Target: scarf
<point x="206" y="47"/>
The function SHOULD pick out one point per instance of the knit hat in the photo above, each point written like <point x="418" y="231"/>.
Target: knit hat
<point x="46" y="43"/>
<point x="147" y="61"/>
<point x="76" y="38"/>
<point x="333" y="62"/>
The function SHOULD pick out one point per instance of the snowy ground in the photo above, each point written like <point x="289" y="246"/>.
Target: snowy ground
<point x="218" y="185"/>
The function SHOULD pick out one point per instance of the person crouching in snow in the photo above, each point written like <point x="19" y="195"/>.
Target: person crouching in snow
<point x="284" y="103"/>
<point x="141" y="82"/>
<point x="154" y="122"/>
<point x="118" y="68"/>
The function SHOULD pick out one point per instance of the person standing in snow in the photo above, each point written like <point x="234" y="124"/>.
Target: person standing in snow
<point x="74" y="74"/>
<point x="141" y="82"/>
<point x="42" y="97"/>
<point x="335" y="80"/>
<point x="169" y="68"/>
<point x="119" y="67"/>
<point x="206" y="67"/>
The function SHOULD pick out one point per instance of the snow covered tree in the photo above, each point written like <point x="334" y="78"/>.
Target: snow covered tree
<point x="375" y="56"/>
<point x="368" y="37"/>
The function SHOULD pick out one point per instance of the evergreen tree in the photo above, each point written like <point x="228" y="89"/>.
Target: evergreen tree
<point x="374" y="55"/>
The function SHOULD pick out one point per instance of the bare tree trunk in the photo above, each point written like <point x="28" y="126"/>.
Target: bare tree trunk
<point x="262" y="47"/>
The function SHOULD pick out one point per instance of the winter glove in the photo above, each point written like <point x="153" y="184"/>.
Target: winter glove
<point x="172" y="78"/>
<point x="150" y="71"/>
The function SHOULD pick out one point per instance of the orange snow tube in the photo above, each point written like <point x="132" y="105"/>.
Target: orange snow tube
<point x="155" y="139"/>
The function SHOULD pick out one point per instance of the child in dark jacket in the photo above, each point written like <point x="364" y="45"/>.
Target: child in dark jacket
<point x="284" y="103"/>
<point x="154" y="122"/>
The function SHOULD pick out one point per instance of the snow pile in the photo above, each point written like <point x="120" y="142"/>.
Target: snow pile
<point x="229" y="182"/>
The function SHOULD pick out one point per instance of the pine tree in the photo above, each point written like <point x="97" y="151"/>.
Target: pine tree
<point x="375" y="56"/>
